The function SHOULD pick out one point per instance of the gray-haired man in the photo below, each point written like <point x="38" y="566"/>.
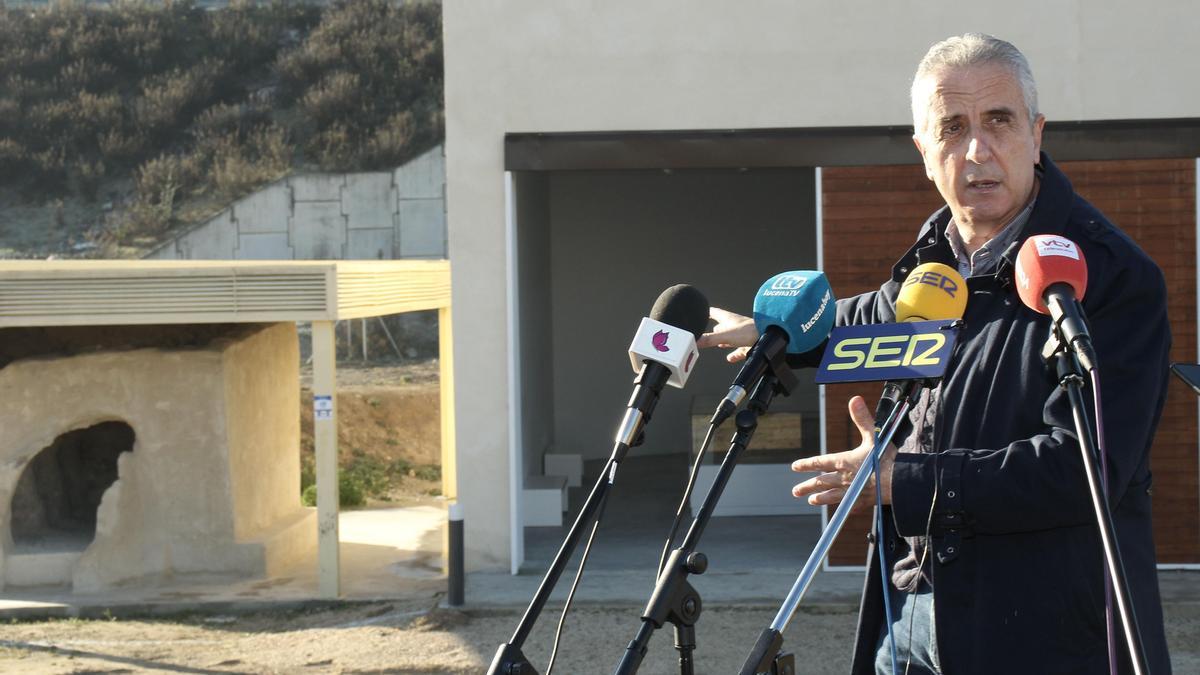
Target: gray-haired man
<point x="994" y="554"/>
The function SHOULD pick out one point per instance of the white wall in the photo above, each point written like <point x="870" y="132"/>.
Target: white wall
<point x="544" y="66"/>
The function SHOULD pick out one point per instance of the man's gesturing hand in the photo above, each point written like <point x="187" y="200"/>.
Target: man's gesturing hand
<point x="839" y="467"/>
<point x="732" y="331"/>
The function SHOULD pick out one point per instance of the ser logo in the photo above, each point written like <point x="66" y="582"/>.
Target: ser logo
<point x="888" y="351"/>
<point x="936" y="280"/>
<point x="894" y="351"/>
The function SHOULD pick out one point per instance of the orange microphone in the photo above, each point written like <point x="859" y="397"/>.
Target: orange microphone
<point x="1051" y="276"/>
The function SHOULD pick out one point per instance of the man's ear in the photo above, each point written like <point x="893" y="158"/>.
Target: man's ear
<point x="921" y="149"/>
<point x="1038" y="125"/>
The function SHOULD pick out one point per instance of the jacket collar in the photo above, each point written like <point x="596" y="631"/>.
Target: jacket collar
<point x="1049" y="216"/>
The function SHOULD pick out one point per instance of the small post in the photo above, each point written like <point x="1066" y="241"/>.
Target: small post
<point x="456" y="576"/>
<point x="325" y="441"/>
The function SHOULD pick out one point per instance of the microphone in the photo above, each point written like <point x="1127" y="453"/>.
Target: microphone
<point x="931" y="292"/>
<point x="663" y="351"/>
<point x="793" y="312"/>
<point x="1051" y="276"/>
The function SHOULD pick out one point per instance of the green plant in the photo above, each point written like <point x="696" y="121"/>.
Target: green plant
<point x="428" y="472"/>
<point x="350" y="492"/>
<point x="308" y="473"/>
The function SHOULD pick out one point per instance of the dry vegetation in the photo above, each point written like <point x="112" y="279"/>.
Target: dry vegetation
<point x="161" y="113"/>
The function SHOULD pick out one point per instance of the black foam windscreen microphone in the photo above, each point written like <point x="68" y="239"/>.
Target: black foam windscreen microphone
<point x="683" y="306"/>
<point x="663" y="351"/>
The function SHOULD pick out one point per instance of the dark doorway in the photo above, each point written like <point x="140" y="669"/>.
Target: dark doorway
<point x="54" y="506"/>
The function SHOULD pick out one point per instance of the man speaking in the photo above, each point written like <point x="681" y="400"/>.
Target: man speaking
<point x="994" y="556"/>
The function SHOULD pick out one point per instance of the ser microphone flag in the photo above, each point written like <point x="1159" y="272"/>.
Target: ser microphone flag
<point x="932" y="291"/>
<point x="793" y="312"/>
<point x="1051" y="276"/>
<point x="916" y="347"/>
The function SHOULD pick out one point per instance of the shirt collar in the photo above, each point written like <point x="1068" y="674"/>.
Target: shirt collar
<point x="986" y="257"/>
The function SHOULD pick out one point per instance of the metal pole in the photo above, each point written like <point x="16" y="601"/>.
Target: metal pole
<point x="839" y="518"/>
<point x="1072" y="381"/>
<point x="456" y="576"/>
<point x="388" y="333"/>
<point x="770" y="640"/>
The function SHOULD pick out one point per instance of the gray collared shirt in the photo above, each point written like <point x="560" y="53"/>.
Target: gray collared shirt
<point x="985" y="259"/>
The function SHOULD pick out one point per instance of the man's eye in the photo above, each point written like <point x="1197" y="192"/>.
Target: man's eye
<point x="951" y="129"/>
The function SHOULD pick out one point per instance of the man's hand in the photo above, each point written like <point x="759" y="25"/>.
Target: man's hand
<point x="840" y="467"/>
<point x="732" y="331"/>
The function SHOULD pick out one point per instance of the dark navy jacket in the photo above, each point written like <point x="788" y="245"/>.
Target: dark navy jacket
<point x="1016" y="555"/>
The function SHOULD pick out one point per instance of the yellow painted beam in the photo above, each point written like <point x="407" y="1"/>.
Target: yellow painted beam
<point x="446" y="388"/>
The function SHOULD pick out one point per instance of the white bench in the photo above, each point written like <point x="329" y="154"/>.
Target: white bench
<point x="561" y="464"/>
<point x="544" y="499"/>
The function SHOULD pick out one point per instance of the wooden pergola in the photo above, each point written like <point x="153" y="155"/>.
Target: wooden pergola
<point x="108" y="293"/>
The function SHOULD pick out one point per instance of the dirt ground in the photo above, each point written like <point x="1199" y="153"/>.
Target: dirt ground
<point x="418" y="637"/>
<point x="385" y="413"/>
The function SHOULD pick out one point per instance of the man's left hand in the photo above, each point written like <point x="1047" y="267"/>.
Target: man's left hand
<point x="839" y="468"/>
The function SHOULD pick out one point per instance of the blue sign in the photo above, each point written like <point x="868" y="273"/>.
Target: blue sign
<point x="911" y="350"/>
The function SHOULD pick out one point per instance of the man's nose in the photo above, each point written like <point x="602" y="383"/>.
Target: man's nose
<point x="978" y="150"/>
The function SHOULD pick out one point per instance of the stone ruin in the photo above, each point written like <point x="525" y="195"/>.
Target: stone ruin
<point x="134" y="454"/>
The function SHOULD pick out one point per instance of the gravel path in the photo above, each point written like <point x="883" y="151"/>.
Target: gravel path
<point x="408" y="637"/>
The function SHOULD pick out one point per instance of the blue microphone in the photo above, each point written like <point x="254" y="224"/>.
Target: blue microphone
<point x="793" y="312"/>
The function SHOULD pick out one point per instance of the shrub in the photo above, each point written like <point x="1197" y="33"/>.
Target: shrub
<point x="370" y="475"/>
<point x="377" y="73"/>
<point x="238" y="165"/>
<point x="428" y="472"/>
<point x="350" y="493"/>
<point x="190" y="103"/>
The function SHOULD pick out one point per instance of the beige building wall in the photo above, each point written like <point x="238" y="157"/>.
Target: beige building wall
<point x="544" y="66"/>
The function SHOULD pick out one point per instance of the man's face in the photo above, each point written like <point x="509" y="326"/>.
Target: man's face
<point x="979" y="144"/>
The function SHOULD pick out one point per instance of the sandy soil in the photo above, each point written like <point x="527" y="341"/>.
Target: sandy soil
<point x="414" y="638"/>
<point x="394" y="638"/>
<point x="386" y="413"/>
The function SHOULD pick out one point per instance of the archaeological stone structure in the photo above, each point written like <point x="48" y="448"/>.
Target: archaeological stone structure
<point x="144" y="453"/>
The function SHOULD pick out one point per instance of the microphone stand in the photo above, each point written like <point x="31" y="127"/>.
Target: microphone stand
<point x="767" y="657"/>
<point x="1071" y="378"/>
<point x="674" y="600"/>
<point x="509" y="660"/>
